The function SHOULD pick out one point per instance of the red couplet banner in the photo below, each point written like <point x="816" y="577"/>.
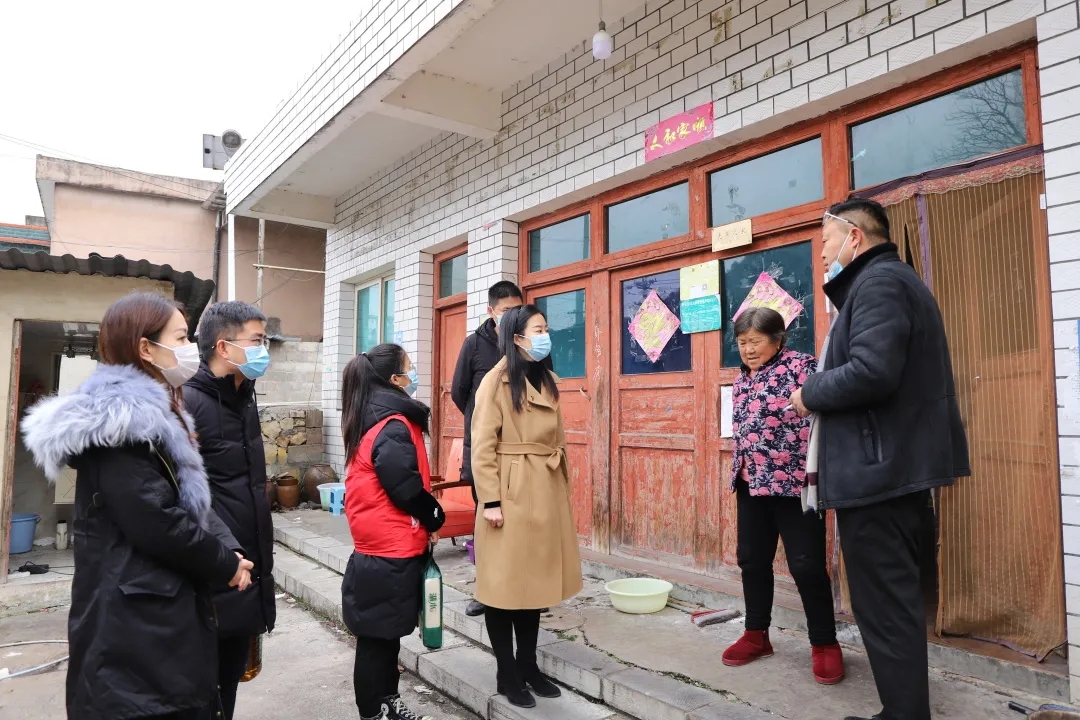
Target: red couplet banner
<point x="679" y="132"/>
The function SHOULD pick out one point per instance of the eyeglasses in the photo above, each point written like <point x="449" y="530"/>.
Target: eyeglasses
<point x="265" y="342"/>
<point x="829" y="216"/>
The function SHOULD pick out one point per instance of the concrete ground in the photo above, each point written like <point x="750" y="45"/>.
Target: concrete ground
<point x="668" y="643"/>
<point x="307" y="673"/>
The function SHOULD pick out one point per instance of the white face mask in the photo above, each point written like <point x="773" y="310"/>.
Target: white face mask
<point x="187" y="364"/>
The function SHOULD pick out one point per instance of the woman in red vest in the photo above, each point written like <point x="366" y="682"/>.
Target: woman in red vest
<point x="393" y="518"/>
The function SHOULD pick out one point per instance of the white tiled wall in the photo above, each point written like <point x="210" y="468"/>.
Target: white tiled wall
<point x="577" y="126"/>
<point x="1059" y="83"/>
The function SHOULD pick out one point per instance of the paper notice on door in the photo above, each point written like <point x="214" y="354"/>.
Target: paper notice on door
<point x="727" y="412"/>
<point x="732" y="235"/>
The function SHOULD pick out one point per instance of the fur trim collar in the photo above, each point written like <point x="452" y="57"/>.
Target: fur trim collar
<point x="117" y="405"/>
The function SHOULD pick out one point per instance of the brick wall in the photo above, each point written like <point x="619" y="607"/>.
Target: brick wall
<point x="294" y="376"/>
<point x="1059" y="83"/>
<point x="575" y="128"/>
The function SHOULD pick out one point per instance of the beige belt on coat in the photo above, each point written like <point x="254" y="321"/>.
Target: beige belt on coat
<point x="555" y="456"/>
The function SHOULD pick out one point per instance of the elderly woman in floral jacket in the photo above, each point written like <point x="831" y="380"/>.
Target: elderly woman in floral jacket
<point x="768" y="475"/>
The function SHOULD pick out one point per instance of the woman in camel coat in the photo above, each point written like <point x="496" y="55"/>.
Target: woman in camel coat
<point x="526" y="542"/>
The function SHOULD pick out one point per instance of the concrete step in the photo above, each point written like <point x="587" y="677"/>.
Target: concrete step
<point x="603" y="689"/>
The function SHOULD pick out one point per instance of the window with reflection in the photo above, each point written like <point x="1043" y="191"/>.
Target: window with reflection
<point x="792" y="268"/>
<point x="650" y="218"/>
<point x="374" y="313"/>
<point x="674" y="354"/>
<point x="559" y="244"/>
<point x="981" y="119"/>
<point x="565" y="315"/>
<point x="782" y="179"/>
<point x="453" y="276"/>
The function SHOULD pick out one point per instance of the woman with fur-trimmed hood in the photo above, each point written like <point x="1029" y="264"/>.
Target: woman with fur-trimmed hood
<point x="141" y="629"/>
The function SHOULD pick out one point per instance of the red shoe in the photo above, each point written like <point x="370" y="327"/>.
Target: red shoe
<point x="753" y="645"/>
<point x="828" y="664"/>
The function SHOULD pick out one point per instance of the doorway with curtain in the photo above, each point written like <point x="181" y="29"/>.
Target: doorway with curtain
<point x="976" y="235"/>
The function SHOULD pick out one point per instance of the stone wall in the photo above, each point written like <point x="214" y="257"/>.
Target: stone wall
<point x="292" y="438"/>
<point x="294" y="376"/>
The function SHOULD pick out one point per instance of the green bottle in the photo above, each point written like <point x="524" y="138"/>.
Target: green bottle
<point x="431" y="616"/>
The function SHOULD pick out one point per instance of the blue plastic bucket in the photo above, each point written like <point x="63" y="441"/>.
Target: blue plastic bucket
<point x="21" y="538"/>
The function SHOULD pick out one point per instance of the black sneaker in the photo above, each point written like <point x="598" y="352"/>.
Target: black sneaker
<point x="394" y="708"/>
<point x="474" y="608"/>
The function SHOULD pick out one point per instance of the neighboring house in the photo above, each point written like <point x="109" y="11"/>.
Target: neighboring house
<point x="27" y="238"/>
<point x="50" y="307"/>
<point x="178" y="222"/>
<point x="449" y="145"/>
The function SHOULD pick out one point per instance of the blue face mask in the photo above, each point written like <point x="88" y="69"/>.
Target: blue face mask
<point x="258" y="359"/>
<point x="836" y="268"/>
<point x="414" y="382"/>
<point x="541" y="347"/>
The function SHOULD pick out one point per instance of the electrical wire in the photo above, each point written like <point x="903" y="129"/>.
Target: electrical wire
<point x="37" y="668"/>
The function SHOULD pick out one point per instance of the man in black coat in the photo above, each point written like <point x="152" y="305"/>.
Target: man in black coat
<point x="479" y="353"/>
<point x="889" y="431"/>
<point x="221" y="399"/>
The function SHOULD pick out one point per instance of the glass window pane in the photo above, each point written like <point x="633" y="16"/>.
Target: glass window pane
<point x="675" y="357"/>
<point x="453" y="276"/>
<point x="388" y="311"/>
<point x="565" y="315"/>
<point x="561" y="244"/>
<point x="776" y="181"/>
<point x="657" y="216"/>
<point x="978" y="120"/>
<point x="367" y="317"/>
<point x="792" y="268"/>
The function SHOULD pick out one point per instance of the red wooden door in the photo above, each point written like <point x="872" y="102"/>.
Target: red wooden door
<point x="451" y="330"/>
<point x="569" y="315"/>
<point x="665" y="450"/>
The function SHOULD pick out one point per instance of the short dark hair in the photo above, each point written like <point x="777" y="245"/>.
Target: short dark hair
<point x="865" y="214"/>
<point x="222" y="321"/>
<point x="765" y="320"/>
<point x="502" y="290"/>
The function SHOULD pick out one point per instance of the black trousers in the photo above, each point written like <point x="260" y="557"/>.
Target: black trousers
<point x="232" y="662"/>
<point x="503" y="627"/>
<point x="882" y="548"/>
<point x="762" y="521"/>
<point x="375" y="673"/>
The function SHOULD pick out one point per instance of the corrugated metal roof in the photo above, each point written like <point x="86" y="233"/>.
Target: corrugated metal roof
<point x="194" y="293"/>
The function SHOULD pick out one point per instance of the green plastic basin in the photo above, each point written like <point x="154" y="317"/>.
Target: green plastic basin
<point x="639" y="596"/>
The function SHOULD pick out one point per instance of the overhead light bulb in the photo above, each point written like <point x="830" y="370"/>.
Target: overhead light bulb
<point x="602" y="43"/>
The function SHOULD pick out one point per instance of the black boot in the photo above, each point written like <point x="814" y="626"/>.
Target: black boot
<point x="538" y="681"/>
<point x="474" y="608"/>
<point x="513" y="687"/>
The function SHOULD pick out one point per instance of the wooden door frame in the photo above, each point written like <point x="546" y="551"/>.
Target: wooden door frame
<point x="775" y="229"/>
<point x="705" y="359"/>
<point x="592" y="386"/>
<point x="439" y="306"/>
<point x="7" y="478"/>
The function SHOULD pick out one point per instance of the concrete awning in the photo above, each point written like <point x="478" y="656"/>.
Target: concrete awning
<point x="388" y="89"/>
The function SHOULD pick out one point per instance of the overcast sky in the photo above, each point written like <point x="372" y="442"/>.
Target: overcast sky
<point x="136" y="84"/>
